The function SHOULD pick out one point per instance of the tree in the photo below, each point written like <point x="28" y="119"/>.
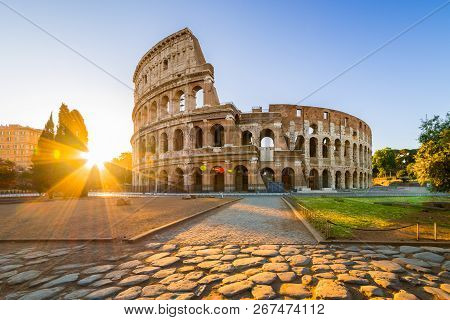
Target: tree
<point x="7" y="174"/>
<point x="433" y="161"/>
<point x="431" y="129"/>
<point x="383" y="161"/>
<point x="120" y="169"/>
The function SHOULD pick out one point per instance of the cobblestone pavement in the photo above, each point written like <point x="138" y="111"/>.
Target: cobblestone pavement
<point x="223" y="267"/>
<point x="256" y="220"/>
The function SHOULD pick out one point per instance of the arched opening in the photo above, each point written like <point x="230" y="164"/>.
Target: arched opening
<point x="153" y="112"/>
<point x="337" y="180"/>
<point x="267" y="138"/>
<point x="312" y="129"/>
<point x="347" y="149"/>
<point x="141" y="149"/>
<point x="355" y="179"/>
<point x="218" y="135"/>
<point x="178" y="181"/>
<point x="240" y="179"/>
<point x="288" y="179"/>
<point x="178" y="142"/>
<point x="361" y="160"/>
<point x="139" y="119"/>
<point x="246" y="138"/>
<point x="313" y="147"/>
<point x="325" y="179"/>
<point x="348" y="178"/>
<point x="163" y="144"/>
<point x="152" y="145"/>
<point x="165" y="106"/>
<point x="300" y="143"/>
<point x="355" y="152"/>
<point x="361" y="185"/>
<point x="163" y="181"/>
<point x="314" y="179"/>
<point x="325" y="148"/>
<point x="180" y="101"/>
<point x="218" y="179"/>
<point x="199" y="97"/>
<point x="197" y="180"/>
<point x="337" y="149"/>
<point x="145" y="115"/>
<point x="198" y="134"/>
<point x="268" y="175"/>
<point x="151" y="182"/>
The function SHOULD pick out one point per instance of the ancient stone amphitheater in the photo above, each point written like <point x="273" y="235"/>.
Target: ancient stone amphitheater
<point x="185" y="140"/>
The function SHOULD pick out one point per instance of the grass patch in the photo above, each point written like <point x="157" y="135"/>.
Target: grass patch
<point x="376" y="213"/>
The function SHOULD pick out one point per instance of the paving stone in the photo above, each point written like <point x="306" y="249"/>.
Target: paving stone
<point x="228" y="257"/>
<point x="409" y="249"/>
<point x="214" y="257"/>
<point x="383" y="275"/>
<point x="416" y="268"/>
<point x="163" y="273"/>
<point x="103" y="293"/>
<point x="289" y="251"/>
<point x="116" y="275"/>
<point x="153" y="245"/>
<point x="212" y="278"/>
<point x="232" y="289"/>
<point x="331" y="290"/>
<point x="301" y="270"/>
<point x="308" y="280"/>
<point x="77" y="294"/>
<point x="194" y="275"/>
<point x="337" y="267"/>
<point x="209" y="264"/>
<point x="157" y="256"/>
<point x="133" y="280"/>
<point x="234" y="278"/>
<point x="269" y="247"/>
<point x="387" y="284"/>
<point x="295" y="290"/>
<point x="99" y="269"/>
<point x="186" y="254"/>
<point x="265" y="253"/>
<point x="129" y="264"/>
<point x="142" y="255"/>
<point x="129" y="294"/>
<point x="74" y="266"/>
<point x="62" y="280"/>
<point x="23" y="277"/>
<point x="185" y="296"/>
<point x="325" y="275"/>
<point x="42" y="294"/>
<point x="320" y="268"/>
<point x="88" y="280"/>
<point x="388" y="266"/>
<point x="194" y="260"/>
<point x="248" y="262"/>
<point x="116" y="258"/>
<point x="404" y="295"/>
<point x="437" y="293"/>
<point x="101" y="283"/>
<point x="445" y="287"/>
<point x="8" y="274"/>
<point x="164" y="262"/>
<point x="208" y="252"/>
<point x="287" y="276"/>
<point x="299" y="260"/>
<point x="40" y="281"/>
<point x="414" y="262"/>
<point x="167" y="296"/>
<point x="371" y="291"/>
<point x="351" y="279"/>
<point x="436" y="249"/>
<point x="223" y="268"/>
<point x="146" y="270"/>
<point x="429" y="256"/>
<point x="153" y="290"/>
<point x="264" y="278"/>
<point x="446" y="265"/>
<point x="252" y="271"/>
<point x="231" y="251"/>
<point x="10" y="267"/>
<point x="388" y="252"/>
<point x="182" y="285"/>
<point x="168" y="247"/>
<point x="37" y="261"/>
<point x="34" y="255"/>
<point x="262" y="292"/>
<point x="172" y="278"/>
<point x="276" y="267"/>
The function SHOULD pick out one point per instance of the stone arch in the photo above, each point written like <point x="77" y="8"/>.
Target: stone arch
<point x="313" y="179"/>
<point x="218" y="135"/>
<point x="165" y="106"/>
<point x="153" y="112"/>
<point x="300" y="143"/>
<point x="145" y="116"/>
<point x="347" y="149"/>
<point x="313" y="129"/>
<point x="218" y="179"/>
<point x="355" y="179"/>
<point x="198" y="137"/>
<point x="178" y="140"/>
<point x="313" y="147"/>
<point x="326" y="177"/>
<point x="178" y="180"/>
<point x="267" y="174"/>
<point x="338" y="180"/>
<point x="152" y="181"/>
<point x="240" y="178"/>
<point x="267" y="138"/>
<point x="355" y="152"/>
<point x="246" y="139"/>
<point x="361" y="182"/>
<point x="152" y="145"/>
<point x="163" y="143"/>
<point x="288" y="179"/>
<point x="198" y="94"/>
<point x="361" y="158"/>
<point x="348" y="179"/>
<point x="337" y="149"/>
<point x="180" y="101"/>
<point x="326" y="148"/>
<point x="163" y="181"/>
<point x="197" y="180"/>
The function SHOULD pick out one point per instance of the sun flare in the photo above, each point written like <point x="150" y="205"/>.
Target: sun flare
<point x="93" y="159"/>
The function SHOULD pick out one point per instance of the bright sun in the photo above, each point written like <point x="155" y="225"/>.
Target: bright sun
<point x="93" y="159"/>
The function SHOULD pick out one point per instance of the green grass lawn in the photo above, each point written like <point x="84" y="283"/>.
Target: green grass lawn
<point x="371" y="213"/>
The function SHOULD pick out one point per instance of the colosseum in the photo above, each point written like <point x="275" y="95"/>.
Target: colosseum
<point x="186" y="140"/>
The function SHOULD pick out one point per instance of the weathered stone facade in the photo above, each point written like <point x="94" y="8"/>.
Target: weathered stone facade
<point x="185" y="140"/>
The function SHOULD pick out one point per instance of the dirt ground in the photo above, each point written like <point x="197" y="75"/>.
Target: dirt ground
<point x="94" y="218"/>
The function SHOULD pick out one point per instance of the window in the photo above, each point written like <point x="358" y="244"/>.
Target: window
<point x="299" y="113"/>
<point x="325" y="115"/>
<point x="182" y="103"/>
<point x="145" y="79"/>
<point x="165" y="64"/>
<point x="345" y="122"/>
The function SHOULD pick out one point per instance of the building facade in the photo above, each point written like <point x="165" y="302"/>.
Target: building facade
<point x="185" y="140"/>
<point x="17" y="144"/>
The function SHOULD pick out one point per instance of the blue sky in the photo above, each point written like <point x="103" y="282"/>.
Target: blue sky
<point x="263" y="52"/>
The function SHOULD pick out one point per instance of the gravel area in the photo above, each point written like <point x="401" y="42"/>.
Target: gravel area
<point x="94" y="218"/>
<point x="252" y="220"/>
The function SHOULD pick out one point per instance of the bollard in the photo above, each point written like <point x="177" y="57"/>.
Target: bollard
<point x="417" y="232"/>
<point x="435" y="232"/>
